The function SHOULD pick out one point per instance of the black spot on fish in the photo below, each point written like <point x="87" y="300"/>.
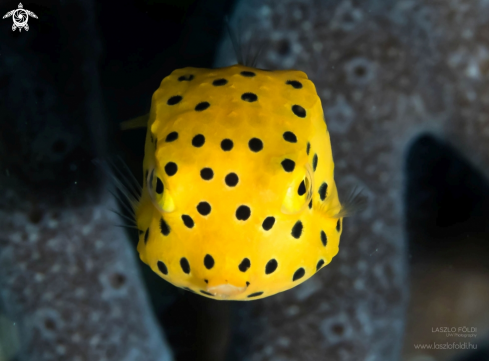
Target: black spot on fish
<point x="164" y="227"/>
<point x="338" y="225"/>
<point x="198" y="141"/>
<point x="188" y="221"/>
<point x="159" y="186"/>
<point x="185" y="265"/>
<point x="248" y="74"/>
<point x="247" y="284"/>
<point x="171" y="168"/>
<point x="219" y="82"/>
<point x="146" y="236"/>
<point x="315" y="162"/>
<point x="208" y="261"/>
<point x="171" y="137"/>
<point x="255" y="144"/>
<point x="188" y="77"/>
<point x="249" y="97"/>
<point x="308" y="148"/>
<point x="268" y="223"/>
<point x="297" y="230"/>
<point x="231" y="179"/>
<point x="288" y="165"/>
<point x="206" y="173"/>
<point x="256" y="294"/>
<point x="295" y="84"/>
<point x="227" y="145"/>
<point x="244" y="265"/>
<point x="302" y="188"/>
<point x="271" y="266"/>
<point x="162" y="267"/>
<point x="324" y="239"/>
<point x="290" y="137"/>
<point x="310" y="204"/>
<point x="243" y="213"/>
<point x="319" y="265"/>
<point x="204" y="208"/>
<point x="202" y="106"/>
<point x="299" y="111"/>
<point x="323" y="188"/>
<point x="174" y="100"/>
<point x="299" y="274"/>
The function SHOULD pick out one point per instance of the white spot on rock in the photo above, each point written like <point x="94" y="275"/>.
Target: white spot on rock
<point x="307" y="289"/>
<point x="265" y="11"/>
<point x="336" y="329"/>
<point x="283" y="341"/>
<point x="340" y="115"/>
<point x="346" y="17"/>
<point x="359" y="71"/>
<point x="292" y="310"/>
<point x="49" y="322"/>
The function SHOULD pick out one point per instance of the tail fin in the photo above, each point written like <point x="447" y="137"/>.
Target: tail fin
<point x="247" y="59"/>
<point x="139" y="122"/>
<point x="236" y="41"/>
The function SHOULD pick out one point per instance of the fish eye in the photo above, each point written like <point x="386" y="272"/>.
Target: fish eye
<point x="299" y="193"/>
<point x="160" y="196"/>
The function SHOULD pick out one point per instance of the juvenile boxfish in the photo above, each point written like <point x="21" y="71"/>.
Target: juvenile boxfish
<point x="239" y="200"/>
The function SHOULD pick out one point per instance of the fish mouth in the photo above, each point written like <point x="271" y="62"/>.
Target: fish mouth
<point x="225" y="290"/>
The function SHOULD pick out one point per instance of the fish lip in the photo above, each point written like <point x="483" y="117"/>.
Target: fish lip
<point x="225" y="290"/>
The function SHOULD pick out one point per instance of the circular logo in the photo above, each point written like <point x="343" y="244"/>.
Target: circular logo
<point x="20" y="18"/>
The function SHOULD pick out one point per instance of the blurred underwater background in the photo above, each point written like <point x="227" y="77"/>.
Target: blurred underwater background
<point x="404" y="88"/>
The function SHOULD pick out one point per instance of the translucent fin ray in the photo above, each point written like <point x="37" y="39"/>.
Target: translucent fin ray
<point x="123" y="187"/>
<point x="246" y="59"/>
<point x="355" y="203"/>
<point x="125" y="205"/>
<point x="132" y="178"/>
<point x="235" y="41"/>
<point x="133" y="222"/>
<point x="128" y="184"/>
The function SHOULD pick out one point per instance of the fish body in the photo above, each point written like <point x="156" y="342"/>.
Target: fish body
<point x="239" y="200"/>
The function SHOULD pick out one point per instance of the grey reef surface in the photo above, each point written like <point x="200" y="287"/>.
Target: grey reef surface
<point x="69" y="283"/>
<point x="387" y="72"/>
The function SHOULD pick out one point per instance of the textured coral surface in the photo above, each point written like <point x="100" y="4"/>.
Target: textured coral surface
<point x="70" y="282"/>
<point x="386" y="72"/>
<point x="70" y="288"/>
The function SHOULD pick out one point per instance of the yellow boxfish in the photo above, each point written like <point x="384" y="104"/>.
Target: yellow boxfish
<point x="239" y="200"/>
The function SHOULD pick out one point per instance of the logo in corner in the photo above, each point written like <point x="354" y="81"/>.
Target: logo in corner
<point x="20" y="17"/>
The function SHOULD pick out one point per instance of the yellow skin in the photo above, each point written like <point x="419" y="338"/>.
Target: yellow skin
<point x="216" y="246"/>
